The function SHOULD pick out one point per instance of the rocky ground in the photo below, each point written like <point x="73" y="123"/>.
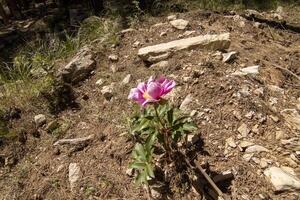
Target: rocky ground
<point x="242" y="89"/>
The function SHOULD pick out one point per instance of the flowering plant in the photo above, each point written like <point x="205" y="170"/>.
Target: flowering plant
<point x="158" y="125"/>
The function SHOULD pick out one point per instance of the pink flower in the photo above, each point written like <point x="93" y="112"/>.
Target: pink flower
<point x="151" y="91"/>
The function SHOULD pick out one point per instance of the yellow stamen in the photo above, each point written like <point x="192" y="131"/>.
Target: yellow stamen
<point x="147" y="96"/>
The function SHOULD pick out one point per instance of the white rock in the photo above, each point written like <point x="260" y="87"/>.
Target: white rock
<point x="179" y="23"/>
<point x="227" y="57"/>
<point x="113" y="57"/>
<point x="256" y="149"/>
<point x="188" y="33"/>
<point x="74" y="174"/>
<point x="172" y="17"/>
<point x="247" y="157"/>
<point x="250" y="114"/>
<point x="244" y="144"/>
<point x="99" y="82"/>
<point x="136" y="44"/>
<point x="192" y="139"/>
<point x="185" y="105"/>
<point x="244" y="130"/>
<point x="107" y="91"/>
<point x="248" y="70"/>
<point x="163" y="34"/>
<point x="230" y="141"/>
<point x="282" y="180"/>
<point x="114" y="68"/>
<point x="209" y="42"/>
<point x="263" y="163"/>
<point x="130" y="172"/>
<point x="40" y="119"/>
<point x="258" y="25"/>
<point x="127" y="30"/>
<point x="127" y="79"/>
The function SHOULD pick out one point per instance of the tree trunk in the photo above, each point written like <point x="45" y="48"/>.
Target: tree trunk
<point x="14" y="9"/>
<point x="3" y="14"/>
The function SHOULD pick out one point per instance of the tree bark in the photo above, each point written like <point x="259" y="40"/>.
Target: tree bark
<point x="3" y="14"/>
<point x="14" y="9"/>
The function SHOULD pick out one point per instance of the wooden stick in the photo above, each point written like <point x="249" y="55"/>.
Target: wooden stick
<point x="211" y="182"/>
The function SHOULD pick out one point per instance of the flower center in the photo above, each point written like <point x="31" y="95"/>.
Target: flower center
<point x="147" y="96"/>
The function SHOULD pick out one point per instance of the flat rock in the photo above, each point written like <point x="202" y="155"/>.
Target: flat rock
<point x="247" y="70"/>
<point x="256" y="149"/>
<point x="227" y="57"/>
<point x="180" y="24"/>
<point x="79" y="68"/>
<point x="107" y="91"/>
<point x="223" y="176"/>
<point x="209" y="42"/>
<point x="244" y="130"/>
<point x="247" y="157"/>
<point x="244" y="144"/>
<point x="127" y="79"/>
<point x="74" y="174"/>
<point x="281" y="179"/>
<point x="230" y="141"/>
<point x="292" y="117"/>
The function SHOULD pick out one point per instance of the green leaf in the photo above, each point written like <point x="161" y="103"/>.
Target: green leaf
<point x="140" y="151"/>
<point x="149" y="169"/>
<point x="170" y="116"/>
<point x="137" y="165"/>
<point x="189" y="127"/>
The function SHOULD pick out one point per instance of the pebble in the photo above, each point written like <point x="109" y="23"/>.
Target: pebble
<point x="127" y="79"/>
<point x="113" y="57"/>
<point x="99" y="82"/>
<point x="230" y="141"/>
<point x="256" y="149"/>
<point x="74" y="174"/>
<point x="244" y="130"/>
<point x="40" y="120"/>
<point x="180" y="24"/>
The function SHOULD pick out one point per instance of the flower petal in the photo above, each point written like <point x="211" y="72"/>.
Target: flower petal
<point x="154" y="90"/>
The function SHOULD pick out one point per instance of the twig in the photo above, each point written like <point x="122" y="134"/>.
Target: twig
<point x="288" y="71"/>
<point x="211" y="182"/>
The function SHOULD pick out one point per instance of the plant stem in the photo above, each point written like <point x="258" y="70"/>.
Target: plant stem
<point x="165" y="134"/>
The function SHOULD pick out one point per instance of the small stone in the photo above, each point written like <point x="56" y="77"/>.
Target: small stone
<point x="113" y="57"/>
<point x="99" y="82"/>
<point x="127" y="79"/>
<point x="163" y="34"/>
<point x="192" y="139"/>
<point x="223" y="176"/>
<point x="188" y="33"/>
<point x="250" y="114"/>
<point x="245" y="144"/>
<point x="130" y="172"/>
<point x="172" y="17"/>
<point x="107" y="92"/>
<point x="282" y="180"/>
<point x="259" y="91"/>
<point x="258" y="25"/>
<point x="74" y="174"/>
<point x="161" y="64"/>
<point x="127" y="30"/>
<point x="255" y="129"/>
<point x="244" y="130"/>
<point x="136" y="44"/>
<point x="40" y="120"/>
<point x="237" y="114"/>
<point x="193" y="113"/>
<point x="263" y="163"/>
<point x="248" y="70"/>
<point x="185" y="105"/>
<point x="274" y="118"/>
<point x="114" y="68"/>
<point x="247" y="157"/>
<point x="256" y="149"/>
<point x="227" y="57"/>
<point x="242" y="24"/>
<point x="279" y="135"/>
<point x="292" y="118"/>
<point x="230" y="141"/>
<point x="179" y="23"/>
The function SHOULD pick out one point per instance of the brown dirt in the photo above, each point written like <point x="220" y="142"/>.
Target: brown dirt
<point x="41" y="170"/>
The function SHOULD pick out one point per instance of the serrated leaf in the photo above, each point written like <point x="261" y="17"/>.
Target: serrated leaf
<point x="150" y="170"/>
